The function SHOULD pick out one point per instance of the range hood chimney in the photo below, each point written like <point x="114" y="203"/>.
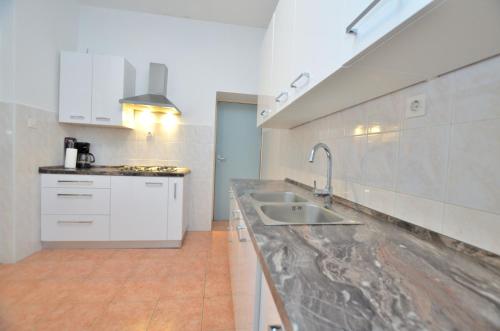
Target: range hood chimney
<point x="156" y="100"/>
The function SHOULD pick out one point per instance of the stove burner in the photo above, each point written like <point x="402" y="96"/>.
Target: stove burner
<point x="162" y="169"/>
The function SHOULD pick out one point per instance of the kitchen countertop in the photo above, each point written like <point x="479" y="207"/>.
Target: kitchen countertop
<point x="111" y="171"/>
<point x="375" y="276"/>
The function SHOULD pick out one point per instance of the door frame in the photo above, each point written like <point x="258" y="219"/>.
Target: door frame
<point x="228" y="97"/>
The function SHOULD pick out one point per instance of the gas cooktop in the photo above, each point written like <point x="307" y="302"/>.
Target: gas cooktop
<point x="157" y="169"/>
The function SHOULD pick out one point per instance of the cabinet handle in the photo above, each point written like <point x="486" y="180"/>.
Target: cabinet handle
<point x="175" y="191"/>
<point x="74" y="195"/>
<point x="103" y="119"/>
<point x="283" y="96"/>
<point x="75" y="222"/>
<point x="236" y="214"/>
<point x="76" y="181"/>
<point x="154" y="184"/>
<point x="275" y="328"/>
<point x="350" y="28"/>
<point x="264" y="112"/>
<point x="77" y="117"/>
<point x="239" y="228"/>
<point x="296" y="80"/>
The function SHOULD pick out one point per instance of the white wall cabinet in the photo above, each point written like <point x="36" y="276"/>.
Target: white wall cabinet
<point x="113" y="208"/>
<point x="265" y="103"/>
<point x="91" y="87"/>
<point x="75" y="88"/>
<point x="395" y="44"/>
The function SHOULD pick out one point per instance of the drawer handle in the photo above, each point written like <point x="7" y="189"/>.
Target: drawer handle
<point x="175" y="191"/>
<point x="103" y="119"/>
<point x="296" y="80"/>
<point x="236" y="214"/>
<point x="350" y="28"/>
<point x="154" y="184"/>
<point x="77" y="117"/>
<point x="282" y="97"/>
<point x="75" y="222"/>
<point x="264" y="112"/>
<point x="275" y="328"/>
<point x="74" y="195"/>
<point x="76" y="181"/>
<point x="240" y="228"/>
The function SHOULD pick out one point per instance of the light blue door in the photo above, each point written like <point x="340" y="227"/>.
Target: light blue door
<point x="237" y="150"/>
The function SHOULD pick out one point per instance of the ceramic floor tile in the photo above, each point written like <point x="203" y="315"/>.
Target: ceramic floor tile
<point x="143" y="290"/>
<point x="95" y="291"/>
<point x="177" y="314"/>
<point x="120" y="316"/>
<point x="32" y="270"/>
<point x="114" y="269"/>
<point x="187" y="265"/>
<point x="22" y="317"/>
<point x="70" y="317"/>
<point x="50" y="291"/>
<point x="218" y="313"/>
<point x="184" y="286"/>
<point x="74" y="269"/>
<point x="11" y="292"/>
<point x="217" y="284"/>
<point x="151" y="269"/>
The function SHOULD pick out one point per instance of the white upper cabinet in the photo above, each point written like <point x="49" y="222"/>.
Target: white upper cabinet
<point x="282" y="50"/>
<point x="316" y="43"/>
<point x="91" y="87"/>
<point x="113" y="79"/>
<point x="266" y="104"/>
<point x="75" y="88"/>
<point x="330" y="55"/>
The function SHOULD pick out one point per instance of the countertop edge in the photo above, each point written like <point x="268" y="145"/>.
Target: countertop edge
<point x="58" y="170"/>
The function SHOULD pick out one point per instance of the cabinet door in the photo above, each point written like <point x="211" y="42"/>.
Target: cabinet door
<point x="316" y="43"/>
<point x="378" y="22"/>
<point x="139" y="208"/>
<point x="282" y="50"/>
<point x="269" y="315"/>
<point x="265" y="103"/>
<point x="108" y="89"/>
<point x="175" y="229"/>
<point x="75" y="88"/>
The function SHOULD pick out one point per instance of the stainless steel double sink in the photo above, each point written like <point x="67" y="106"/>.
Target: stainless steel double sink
<point x="288" y="208"/>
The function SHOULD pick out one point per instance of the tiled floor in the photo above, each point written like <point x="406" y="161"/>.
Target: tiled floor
<point x="142" y="289"/>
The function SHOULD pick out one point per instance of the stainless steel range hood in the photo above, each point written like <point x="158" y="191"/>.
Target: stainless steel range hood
<point x="156" y="100"/>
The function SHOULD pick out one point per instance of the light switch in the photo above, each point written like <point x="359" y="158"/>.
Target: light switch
<point x="415" y="106"/>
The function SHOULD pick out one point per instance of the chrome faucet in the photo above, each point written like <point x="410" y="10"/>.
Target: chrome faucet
<point x="327" y="191"/>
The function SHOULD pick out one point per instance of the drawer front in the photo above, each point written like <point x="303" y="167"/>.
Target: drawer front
<point x="78" y="181"/>
<point x="60" y="201"/>
<point x="75" y="227"/>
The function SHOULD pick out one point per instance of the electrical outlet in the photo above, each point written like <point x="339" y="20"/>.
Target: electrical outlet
<point x="32" y="122"/>
<point x="415" y="106"/>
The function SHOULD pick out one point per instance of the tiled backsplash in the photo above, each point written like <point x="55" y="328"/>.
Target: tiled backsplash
<point x="439" y="171"/>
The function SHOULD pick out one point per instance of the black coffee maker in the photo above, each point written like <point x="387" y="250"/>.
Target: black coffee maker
<point x="84" y="158"/>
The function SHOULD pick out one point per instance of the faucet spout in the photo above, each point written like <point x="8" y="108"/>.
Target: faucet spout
<point x="327" y="191"/>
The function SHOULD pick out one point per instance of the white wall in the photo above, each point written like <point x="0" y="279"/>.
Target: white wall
<point x="202" y="57"/>
<point x="439" y="171"/>
<point x="32" y="34"/>
<point x="42" y="29"/>
<point x="6" y="50"/>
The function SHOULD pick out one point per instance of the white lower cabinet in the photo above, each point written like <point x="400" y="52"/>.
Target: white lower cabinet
<point x="113" y="208"/>
<point x="254" y="308"/>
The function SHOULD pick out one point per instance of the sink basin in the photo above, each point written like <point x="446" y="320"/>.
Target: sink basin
<point x="277" y="197"/>
<point x="299" y="213"/>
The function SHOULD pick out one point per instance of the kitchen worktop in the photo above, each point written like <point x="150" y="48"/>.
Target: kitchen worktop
<point x="375" y="276"/>
<point x="112" y="171"/>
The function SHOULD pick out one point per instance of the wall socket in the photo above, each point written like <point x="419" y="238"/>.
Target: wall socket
<point x="415" y="106"/>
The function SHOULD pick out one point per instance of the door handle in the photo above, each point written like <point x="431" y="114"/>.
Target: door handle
<point x="240" y="228"/>
<point x="221" y="158"/>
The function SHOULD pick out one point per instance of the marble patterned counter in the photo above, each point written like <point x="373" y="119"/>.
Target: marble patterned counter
<point x="375" y="276"/>
<point x="111" y="171"/>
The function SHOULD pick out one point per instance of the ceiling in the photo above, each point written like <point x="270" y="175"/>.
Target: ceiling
<point x="255" y="13"/>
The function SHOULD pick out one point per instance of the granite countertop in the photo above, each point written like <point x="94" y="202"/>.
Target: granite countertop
<point x="375" y="276"/>
<point x="111" y="171"/>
